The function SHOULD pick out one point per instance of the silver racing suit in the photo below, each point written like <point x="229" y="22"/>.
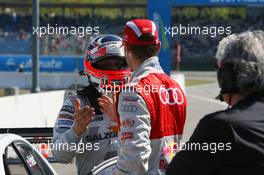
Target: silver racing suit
<point x="152" y="114"/>
<point x="97" y="144"/>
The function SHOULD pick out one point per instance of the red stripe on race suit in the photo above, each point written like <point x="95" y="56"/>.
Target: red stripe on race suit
<point x="167" y="115"/>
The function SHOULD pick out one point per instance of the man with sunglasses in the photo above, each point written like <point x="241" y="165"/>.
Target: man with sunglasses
<point x="81" y="127"/>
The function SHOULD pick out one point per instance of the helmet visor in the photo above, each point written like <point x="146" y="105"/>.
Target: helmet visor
<point x="111" y="63"/>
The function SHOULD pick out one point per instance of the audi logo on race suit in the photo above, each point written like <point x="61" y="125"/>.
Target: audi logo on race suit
<point x="128" y="108"/>
<point x="171" y="96"/>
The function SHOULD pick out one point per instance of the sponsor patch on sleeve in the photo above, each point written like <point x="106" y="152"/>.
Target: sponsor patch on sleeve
<point x="65" y="116"/>
<point x="128" y="123"/>
<point x="163" y="165"/>
<point x="64" y="123"/>
<point x="126" y="136"/>
<point x="67" y="108"/>
<point x="130" y="98"/>
<point x="128" y="108"/>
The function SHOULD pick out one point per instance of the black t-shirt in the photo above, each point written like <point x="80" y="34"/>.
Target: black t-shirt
<point x="226" y="142"/>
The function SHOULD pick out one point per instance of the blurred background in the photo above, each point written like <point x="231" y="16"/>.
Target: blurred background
<point x="196" y="51"/>
<point x="110" y="16"/>
<point x="190" y="57"/>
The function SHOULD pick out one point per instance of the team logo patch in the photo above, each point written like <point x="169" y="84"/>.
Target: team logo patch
<point x="98" y="137"/>
<point x="171" y="96"/>
<point x="129" y="108"/>
<point x="163" y="165"/>
<point x="128" y="123"/>
<point x="169" y="150"/>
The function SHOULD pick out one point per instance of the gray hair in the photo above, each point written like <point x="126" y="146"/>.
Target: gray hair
<point x="246" y="51"/>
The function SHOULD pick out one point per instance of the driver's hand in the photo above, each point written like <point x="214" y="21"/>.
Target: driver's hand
<point x="108" y="107"/>
<point x="82" y="117"/>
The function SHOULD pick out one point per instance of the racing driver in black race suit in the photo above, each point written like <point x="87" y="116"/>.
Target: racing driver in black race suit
<point x="81" y="130"/>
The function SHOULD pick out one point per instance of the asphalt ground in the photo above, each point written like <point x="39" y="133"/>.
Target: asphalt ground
<point x="200" y="101"/>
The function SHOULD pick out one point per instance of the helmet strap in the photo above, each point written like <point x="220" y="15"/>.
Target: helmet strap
<point x="229" y="101"/>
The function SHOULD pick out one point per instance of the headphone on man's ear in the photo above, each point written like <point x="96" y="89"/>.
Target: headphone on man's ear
<point x="227" y="79"/>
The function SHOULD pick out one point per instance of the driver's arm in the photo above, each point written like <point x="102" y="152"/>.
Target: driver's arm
<point x="134" y="135"/>
<point x="63" y="134"/>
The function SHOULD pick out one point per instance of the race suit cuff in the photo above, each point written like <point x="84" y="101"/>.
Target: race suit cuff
<point x="72" y="137"/>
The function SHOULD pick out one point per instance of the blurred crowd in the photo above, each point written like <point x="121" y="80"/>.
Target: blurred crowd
<point x="16" y="33"/>
<point x="204" y="46"/>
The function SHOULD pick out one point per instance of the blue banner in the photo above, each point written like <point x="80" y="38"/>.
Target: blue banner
<point x="160" y="12"/>
<point x="47" y="63"/>
<point x="216" y="2"/>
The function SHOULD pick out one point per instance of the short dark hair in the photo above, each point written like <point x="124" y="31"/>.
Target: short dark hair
<point x="143" y="52"/>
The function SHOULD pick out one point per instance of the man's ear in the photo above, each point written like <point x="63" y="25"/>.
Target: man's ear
<point x="127" y="48"/>
<point x="159" y="45"/>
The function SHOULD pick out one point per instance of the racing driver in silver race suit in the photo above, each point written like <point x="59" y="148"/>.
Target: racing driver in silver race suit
<point x="80" y="123"/>
<point x="151" y="108"/>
